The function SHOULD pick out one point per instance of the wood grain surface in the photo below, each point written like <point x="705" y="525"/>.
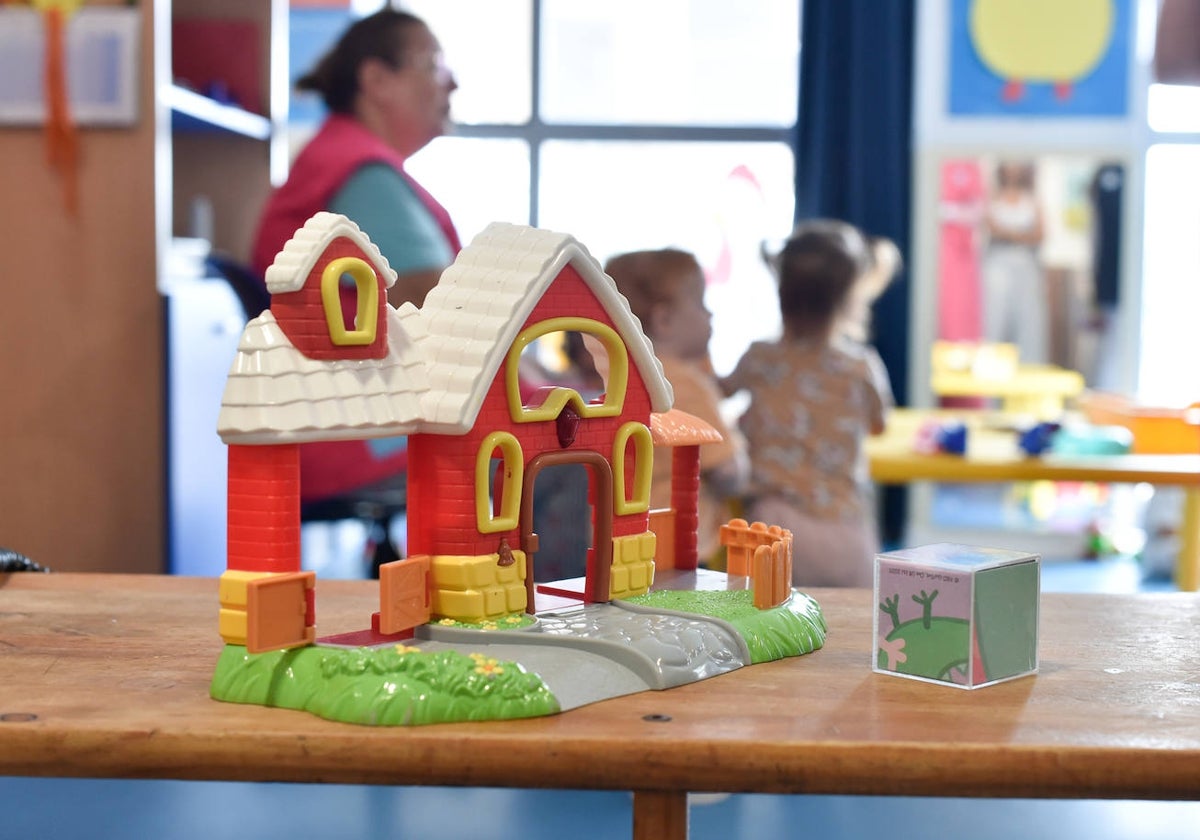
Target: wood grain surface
<point x="107" y="676"/>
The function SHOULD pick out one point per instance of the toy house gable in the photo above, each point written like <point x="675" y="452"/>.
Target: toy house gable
<point x="292" y="381"/>
<point x="482" y="303"/>
<point x="329" y="291"/>
<point x="512" y="286"/>
<point x="291" y="267"/>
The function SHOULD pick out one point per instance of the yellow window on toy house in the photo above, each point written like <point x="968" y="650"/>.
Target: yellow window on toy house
<point x="632" y="492"/>
<point x="499" y="510"/>
<point x="547" y="403"/>
<point x="361" y="286"/>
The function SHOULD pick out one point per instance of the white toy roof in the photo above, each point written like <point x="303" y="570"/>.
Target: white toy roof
<point x="292" y="264"/>
<point x="441" y="359"/>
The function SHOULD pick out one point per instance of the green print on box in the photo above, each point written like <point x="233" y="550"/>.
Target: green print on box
<point x="956" y="614"/>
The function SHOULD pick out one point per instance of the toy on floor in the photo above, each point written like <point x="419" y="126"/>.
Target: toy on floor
<point x="458" y="634"/>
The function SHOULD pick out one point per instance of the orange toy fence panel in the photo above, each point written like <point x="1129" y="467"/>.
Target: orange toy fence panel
<point x="773" y="573"/>
<point x="662" y="523"/>
<point x="764" y="554"/>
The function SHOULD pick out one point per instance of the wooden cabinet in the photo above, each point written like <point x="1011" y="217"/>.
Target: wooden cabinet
<point x="81" y="433"/>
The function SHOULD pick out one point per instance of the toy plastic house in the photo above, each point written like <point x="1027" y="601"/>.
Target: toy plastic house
<point x="956" y="614"/>
<point x="331" y="361"/>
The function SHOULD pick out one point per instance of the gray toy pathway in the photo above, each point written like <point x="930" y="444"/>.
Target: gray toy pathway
<point x="598" y="651"/>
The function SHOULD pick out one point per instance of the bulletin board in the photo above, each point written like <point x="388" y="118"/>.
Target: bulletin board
<point x="102" y="65"/>
<point x="1039" y="58"/>
<point x="986" y="90"/>
<point x="1060" y="86"/>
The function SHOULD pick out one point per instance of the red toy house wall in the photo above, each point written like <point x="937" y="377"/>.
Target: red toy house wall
<point x="441" y="496"/>
<point x="571" y="296"/>
<point x="441" y="503"/>
<point x="263" y="508"/>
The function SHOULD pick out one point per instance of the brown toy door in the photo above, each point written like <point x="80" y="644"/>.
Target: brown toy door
<point x="599" y="566"/>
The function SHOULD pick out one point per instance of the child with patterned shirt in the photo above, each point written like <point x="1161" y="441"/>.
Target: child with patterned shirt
<point x="814" y="396"/>
<point x="665" y="290"/>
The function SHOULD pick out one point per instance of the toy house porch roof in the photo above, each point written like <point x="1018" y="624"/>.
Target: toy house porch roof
<point x="678" y="428"/>
<point x="441" y="359"/>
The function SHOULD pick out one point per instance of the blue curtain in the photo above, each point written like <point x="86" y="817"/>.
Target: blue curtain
<point x="854" y="151"/>
<point x="854" y="146"/>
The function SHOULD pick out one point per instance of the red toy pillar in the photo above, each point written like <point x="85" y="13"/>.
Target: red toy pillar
<point x="264" y="508"/>
<point x="685" y="500"/>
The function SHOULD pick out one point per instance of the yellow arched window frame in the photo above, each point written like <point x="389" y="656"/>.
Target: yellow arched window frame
<point x="618" y="373"/>
<point x="643" y="463"/>
<point x="366" y="292"/>
<point x="512" y="470"/>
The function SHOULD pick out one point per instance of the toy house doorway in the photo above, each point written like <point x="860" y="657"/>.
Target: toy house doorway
<point x="595" y="585"/>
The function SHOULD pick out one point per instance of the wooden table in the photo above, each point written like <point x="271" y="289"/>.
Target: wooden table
<point x="994" y="456"/>
<point x="107" y="676"/>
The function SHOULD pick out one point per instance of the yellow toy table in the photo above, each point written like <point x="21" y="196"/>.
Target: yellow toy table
<point x="1035" y="390"/>
<point x="961" y="369"/>
<point x="994" y="456"/>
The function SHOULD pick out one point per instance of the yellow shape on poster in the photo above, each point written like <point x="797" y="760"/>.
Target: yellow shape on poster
<point x="1041" y="40"/>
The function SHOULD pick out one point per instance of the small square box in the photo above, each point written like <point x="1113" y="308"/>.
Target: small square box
<point x="957" y="614"/>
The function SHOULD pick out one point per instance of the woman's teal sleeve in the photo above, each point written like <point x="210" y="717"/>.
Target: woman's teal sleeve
<point x="378" y="199"/>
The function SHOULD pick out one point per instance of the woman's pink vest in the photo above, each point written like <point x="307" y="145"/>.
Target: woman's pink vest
<point x="335" y="468"/>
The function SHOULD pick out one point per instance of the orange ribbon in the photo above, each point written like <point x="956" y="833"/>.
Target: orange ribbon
<point x="62" y="138"/>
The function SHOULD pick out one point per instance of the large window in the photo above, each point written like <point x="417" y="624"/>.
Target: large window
<point x="628" y="125"/>
<point x="1171" y="256"/>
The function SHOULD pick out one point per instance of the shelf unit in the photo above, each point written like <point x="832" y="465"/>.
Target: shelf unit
<point x="191" y="111"/>
<point x="209" y="154"/>
<point x="213" y="155"/>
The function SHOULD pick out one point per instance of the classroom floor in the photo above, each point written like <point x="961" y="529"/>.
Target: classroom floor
<point x="104" y="809"/>
<point x="204" y="811"/>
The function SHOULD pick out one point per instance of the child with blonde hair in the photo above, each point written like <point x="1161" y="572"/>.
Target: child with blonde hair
<point x="885" y="264"/>
<point x="665" y="290"/>
<point x="815" y="394"/>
